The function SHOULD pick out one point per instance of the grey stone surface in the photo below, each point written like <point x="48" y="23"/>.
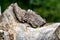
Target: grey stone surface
<point x="4" y="35"/>
<point x="28" y="16"/>
<point x="1" y="35"/>
<point x="43" y="33"/>
<point x="12" y="29"/>
<point x="34" y="19"/>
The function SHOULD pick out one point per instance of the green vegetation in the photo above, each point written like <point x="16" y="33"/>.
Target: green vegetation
<point x="48" y="9"/>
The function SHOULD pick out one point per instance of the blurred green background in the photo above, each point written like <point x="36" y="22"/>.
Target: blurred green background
<point x="48" y="9"/>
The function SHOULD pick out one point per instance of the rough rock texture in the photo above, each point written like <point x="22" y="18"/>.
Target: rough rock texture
<point x="28" y="16"/>
<point x="12" y="28"/>
<point x="4" y="35"/>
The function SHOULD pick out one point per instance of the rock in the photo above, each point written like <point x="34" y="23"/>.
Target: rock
<point x="28" y="16"/>
<point x="20" y="13"/>
<point x="12" y="29"/>
<point x="4" y="35"/>
<point x="48" y="32"/>
<point x="1" y="35"/>
<point x="34" y="19"/>
<point x="57" y="32"/>
<point x="43" y="33"/>
<point x="9" y="15"/>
